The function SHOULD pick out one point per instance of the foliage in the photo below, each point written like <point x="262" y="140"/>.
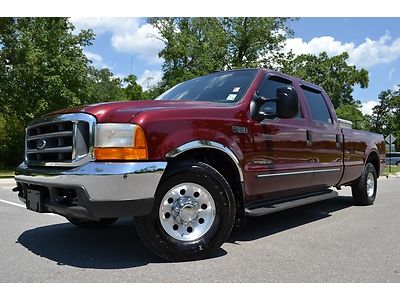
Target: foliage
<point x="42" y="65"/>
<point x="193" y="47"/>
<point x="198" y="46"/>
<point x="254" y="42"/>
<point x="11" y="140"/>
<point x="352" y="112"/>
<point x="133" y="90"/>
<point x="386" y="115"/>
<point x="334" y="74"/>
<point x="103" y="86"/>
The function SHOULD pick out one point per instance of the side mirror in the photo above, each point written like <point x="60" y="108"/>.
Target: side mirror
<point x="287" y="103"/>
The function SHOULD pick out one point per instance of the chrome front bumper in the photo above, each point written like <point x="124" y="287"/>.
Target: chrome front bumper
<point x="100" y="189"/>
<point x="102" y="181"/>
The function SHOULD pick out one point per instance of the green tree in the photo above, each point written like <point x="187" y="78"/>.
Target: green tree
<point x="198" y="46"/>
<point x="103" y="86"/>
<point x="193" y="47"/>
<point x="133" y="90"/>
<point x="42" y="68"/>
<point x="352" y="112"/>
<point x="255" y="42"/>
<point x="154" y="91"/>
<point x="386" y="115"/>
<point x="334" y="74"/>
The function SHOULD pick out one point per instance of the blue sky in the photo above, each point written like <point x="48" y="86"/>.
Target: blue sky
<point x="129" y="45"/>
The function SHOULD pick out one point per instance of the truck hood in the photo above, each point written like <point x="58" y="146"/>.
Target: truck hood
<point x="123" y="111"/>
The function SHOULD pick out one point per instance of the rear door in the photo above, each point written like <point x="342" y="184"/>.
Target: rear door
<point x="324" y="137"/>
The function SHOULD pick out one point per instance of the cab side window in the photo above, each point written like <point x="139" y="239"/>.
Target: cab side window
<point x="317" y="105"/>
<point x="268" y="89"/>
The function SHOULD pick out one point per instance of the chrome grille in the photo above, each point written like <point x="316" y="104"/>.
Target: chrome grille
<point x="61" y="140"/>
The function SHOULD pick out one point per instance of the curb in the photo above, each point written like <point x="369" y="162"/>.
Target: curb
<point x="392" y="175"/>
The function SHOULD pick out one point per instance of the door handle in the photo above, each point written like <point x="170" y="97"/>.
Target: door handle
<point x="338" y="140"/>
<point x="309" y="137"/>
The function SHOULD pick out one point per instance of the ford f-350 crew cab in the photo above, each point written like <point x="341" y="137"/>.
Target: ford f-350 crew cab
<point x="199" y="159"/>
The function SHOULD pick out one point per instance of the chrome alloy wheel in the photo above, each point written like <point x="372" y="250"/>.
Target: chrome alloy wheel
<point x="370" y="184"/>
<point x="187" y="211"/>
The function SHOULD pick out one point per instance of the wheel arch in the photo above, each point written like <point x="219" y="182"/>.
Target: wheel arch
<point x="219" y="157"/>
<point x="373" y="158"/>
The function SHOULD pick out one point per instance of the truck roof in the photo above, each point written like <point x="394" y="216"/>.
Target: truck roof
<point x="270" y="71"/>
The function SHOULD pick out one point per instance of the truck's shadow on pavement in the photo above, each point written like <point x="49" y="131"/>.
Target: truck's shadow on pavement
<point x="115" y="247"/>
<point x="284" y="220"/>
<point x="119" y="247"/>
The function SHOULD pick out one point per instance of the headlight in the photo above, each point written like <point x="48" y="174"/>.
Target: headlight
<point x="115" y="141"/>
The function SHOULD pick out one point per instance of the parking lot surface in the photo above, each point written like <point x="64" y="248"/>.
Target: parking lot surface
<point x="330" y="241"/>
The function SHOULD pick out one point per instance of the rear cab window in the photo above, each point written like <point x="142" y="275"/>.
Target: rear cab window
<point x="317" y="105"/>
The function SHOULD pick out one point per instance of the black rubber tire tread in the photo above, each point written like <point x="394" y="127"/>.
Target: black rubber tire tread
<point x="159" y="242"/>
<point x="89" y="224"/>
<point x="359" y="188"/>
<point x="398" y="164"/>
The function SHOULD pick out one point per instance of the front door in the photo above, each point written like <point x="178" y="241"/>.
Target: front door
<point x="281" y="161"/>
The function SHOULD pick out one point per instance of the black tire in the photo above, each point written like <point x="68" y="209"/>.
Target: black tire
<point x="163" y="244"/>
<point x="364" y="194"/>
<point x="398" y="164"/>
<point x="89" y="224"/>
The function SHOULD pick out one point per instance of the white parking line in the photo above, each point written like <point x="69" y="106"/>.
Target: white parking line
<point x="23" y="206"/>
<point x="12" y="203"/>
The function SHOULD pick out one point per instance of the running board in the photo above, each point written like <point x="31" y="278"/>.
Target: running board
<point x="271" y="208"/>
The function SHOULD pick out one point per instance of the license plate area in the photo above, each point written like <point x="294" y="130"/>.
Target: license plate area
<point x="34" y="200"/>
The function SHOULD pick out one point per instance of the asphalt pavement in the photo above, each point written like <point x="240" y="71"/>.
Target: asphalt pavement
<point x="330" y="241"/>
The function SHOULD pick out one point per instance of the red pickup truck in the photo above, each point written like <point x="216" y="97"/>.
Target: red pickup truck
<point x="199" y="159"/>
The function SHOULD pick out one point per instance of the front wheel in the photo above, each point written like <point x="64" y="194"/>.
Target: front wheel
<point x="193" y="214"/>
<point x="364" y="189"/>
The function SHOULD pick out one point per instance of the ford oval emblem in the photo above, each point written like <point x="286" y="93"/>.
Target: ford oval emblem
<point x="40" y="144"/>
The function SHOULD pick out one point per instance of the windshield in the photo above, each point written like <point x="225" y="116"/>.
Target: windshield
<point x="223" y="87"/>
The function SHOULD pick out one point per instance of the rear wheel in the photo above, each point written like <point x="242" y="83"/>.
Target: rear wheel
<point x="364" y="190"/>
<point x="193" y="214"/>
<point x="89" y="224"/>
<point x="398" y="164"/>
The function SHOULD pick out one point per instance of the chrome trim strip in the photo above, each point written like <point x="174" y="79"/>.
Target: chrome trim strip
<point x="210" y="145"/>
<point x="103" y="181"/>
<point x="297" y="172"/>
<point x="326" y="170"/>
<point x="74" y="117"/>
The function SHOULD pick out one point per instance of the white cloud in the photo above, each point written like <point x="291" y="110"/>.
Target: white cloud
<point x="367" y="107"/>
<point x="370" y="53"/>
<point x="96" y="59"/>
<point x="129" y="35"/>
<point x="142" y="41"/>
<point x="317" y="45"/>
<point x="149" y="78"/>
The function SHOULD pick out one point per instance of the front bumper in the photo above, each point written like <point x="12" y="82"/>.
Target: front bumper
<point x="91" y="191"/>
